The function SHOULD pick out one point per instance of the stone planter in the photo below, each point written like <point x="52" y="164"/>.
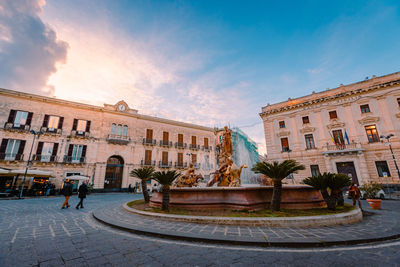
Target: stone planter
<point x="375" y="203"/>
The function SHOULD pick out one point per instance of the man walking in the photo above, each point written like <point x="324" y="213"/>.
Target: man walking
<point x="355" y="194"/>
<point x="82" y="191"/>
<point x="67" y="192"/>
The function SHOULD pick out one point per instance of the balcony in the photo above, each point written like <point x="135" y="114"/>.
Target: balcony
<point x="79" y="134"/>
<point x="332" y="150"/>
<point x="180" y="145"/>
<point x="180" y="165"/>
<point x="165" y="143"/>
<point x="148" y="163"/>
<point x="74" y="160"/>
<point x="194" y="147"/>
<point x="206" y="148"/>
<point x="11" y="157"/>
<point x="149" y="142"/>
<point x="196" y="166"/>
<point x="165" y="164"/>
<point x="46" y="130"/>
<point x="118" y="139"/>
<point x="20" y="128"/>
<point x="44" y="158"/>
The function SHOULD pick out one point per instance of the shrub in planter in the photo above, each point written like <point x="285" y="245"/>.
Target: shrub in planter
<point x="371" y="189"/>
<point x="330" y="185"/>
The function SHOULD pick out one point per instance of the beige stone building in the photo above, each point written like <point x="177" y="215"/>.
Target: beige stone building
<point x="340" y="130"/>
<point x="103" y="143"/>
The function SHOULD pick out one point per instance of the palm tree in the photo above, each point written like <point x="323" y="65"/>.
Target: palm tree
<point x="330" y="185"/>
<point x="277" y="172"/>
<point x="165" y="178"/>
<point x="144" y="174"/>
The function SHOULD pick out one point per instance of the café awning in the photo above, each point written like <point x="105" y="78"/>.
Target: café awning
<point x="32" y="173"/>
<point x="77" y="177"/>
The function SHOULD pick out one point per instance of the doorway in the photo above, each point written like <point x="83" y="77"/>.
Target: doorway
<point x="114" y="171"/>
<point x="349" y="169"/>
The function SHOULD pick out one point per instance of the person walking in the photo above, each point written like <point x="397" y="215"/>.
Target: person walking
<point x="355" y="194"/>
<point x="67" y="192"/>
<point x="47" y="188"/>
<point x="130" y="188"/>
<point x="82" y="191"/>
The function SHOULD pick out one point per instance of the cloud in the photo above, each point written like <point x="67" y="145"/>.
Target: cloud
<point x="29" y="49"/>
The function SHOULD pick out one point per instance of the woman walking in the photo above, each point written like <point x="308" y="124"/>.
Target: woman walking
<point x="82" y="191"/>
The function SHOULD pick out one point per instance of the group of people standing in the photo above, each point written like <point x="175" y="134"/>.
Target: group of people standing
<point x="67" y="192"/>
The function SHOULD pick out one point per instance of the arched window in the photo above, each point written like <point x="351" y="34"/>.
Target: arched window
<point x="125" y="131"/>
<point x="119" y="129"/>
<point x="113" y="128"/>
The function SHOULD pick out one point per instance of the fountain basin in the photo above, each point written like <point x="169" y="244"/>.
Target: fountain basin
<point x="240" y="198"/>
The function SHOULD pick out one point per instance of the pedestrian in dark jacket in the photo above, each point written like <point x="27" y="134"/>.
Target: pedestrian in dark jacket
<point x="82" y="191"/>
<point x="67" y="192"/>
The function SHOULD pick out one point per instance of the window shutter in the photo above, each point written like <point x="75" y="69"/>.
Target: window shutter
<point x="149" y="134"/>
<point x="39" y="148"/>
<point x="29" y="119"/>
<point x="11" y="117"/>
<point x="180" y="138"/>
<point x="165" y="156"/>
<point x="194" y="158"/>
<point x="84" y="151"/>
<point x="87" y="126"/>
<point x="180" y="158"/>
<point x="147" y="155"/>
<point x="206" y="142"/>
<point x="3" y="148"/>
<point x="193" y="140"/>
<point x="75" y="125"/>
<point x="21" y="147"/>
<point x="55" y="148"/>
<point x="70" y="149"/>
<point x="165" y="136"/>
<point x="60" y="123"/>
<point x="46" y="121"/>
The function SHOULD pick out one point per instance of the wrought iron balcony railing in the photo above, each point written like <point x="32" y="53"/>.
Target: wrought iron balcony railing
<point x="180" y="165"/>
<point x="44" y="158"/>
<point x="165" y="143"/>
<point x="194" y="147"/>
<point x="74" y="160"/>
<point x="180" y="145"/>
<point x="150" y="142"/>
<point x="118" y="139"/>
<point x="148" y="163"/>
<point x="165" y="164"/>
<point x="14" y="127"/>
<point x="50" y="130"/>
<point x="206" y="148"/>
<point x="11" y="156"/>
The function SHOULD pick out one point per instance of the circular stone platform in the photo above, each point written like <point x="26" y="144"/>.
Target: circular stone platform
<point x="240" y="198"/>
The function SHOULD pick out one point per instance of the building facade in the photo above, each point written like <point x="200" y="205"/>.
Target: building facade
<point x="103" y="143"/>
<point x="340" y="130"/>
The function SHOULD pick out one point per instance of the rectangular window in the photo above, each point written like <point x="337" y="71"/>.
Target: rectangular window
<point x="332" y="114"/>
<point x="382" y="168"/>
<point x="205" y="142"/>
<point x="314" y="170"/>
<point x="53" y="123"/>
<point x="81" y="126"/>
<point x="165" y="137"/>
<point x="282" y="124"/>
<point x="47" y="152"/>
<point x="306" y="120"/>
<point x="147" y="157"/>
<point x="180" y="138"/>
<point x="12" y="149"/>
<point x="125" y="131"/>
<point x="77" y="153"/>
<point x="194" y="158"/>
<point x="309" y="141"/>
<point x="165" y="158"/>
<point x="338" y="137"/>
<point x="194" y="140"/>
<point x="180" y="159"/>
<point x="149" y="134"/>
<point x="365" y="108"/>
<point x="285" y="144"/>
<point x="372" y="133"/>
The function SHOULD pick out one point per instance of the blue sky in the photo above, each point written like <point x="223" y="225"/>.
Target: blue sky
<point x="206" y="62"/>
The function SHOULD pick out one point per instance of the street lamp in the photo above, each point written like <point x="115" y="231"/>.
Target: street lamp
<point x="29" y="159"/>
<point x="387" y="137"/>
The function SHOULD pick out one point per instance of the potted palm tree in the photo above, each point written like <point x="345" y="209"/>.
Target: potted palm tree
<point x="165" y="178"/>
<point x="330" y="185"/>
<point x="371" y="190"/>
<point x="143" y="174"/>
<point x="277" y="172"/>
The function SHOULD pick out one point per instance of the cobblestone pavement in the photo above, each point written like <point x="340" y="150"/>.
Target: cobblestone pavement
<point x="36" y="232"/>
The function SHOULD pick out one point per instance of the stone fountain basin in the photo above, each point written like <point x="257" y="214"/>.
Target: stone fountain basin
<point x="240" y="198"/>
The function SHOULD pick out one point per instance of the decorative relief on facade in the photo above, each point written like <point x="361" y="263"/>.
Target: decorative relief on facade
<point x="307" y="129"/>
<point x="368" y="120"/>
<point x="335" y="124"/>
<point x="283" y="133"/>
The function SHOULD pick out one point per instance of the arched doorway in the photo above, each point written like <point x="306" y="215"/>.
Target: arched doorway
<point x="114" y="170"/>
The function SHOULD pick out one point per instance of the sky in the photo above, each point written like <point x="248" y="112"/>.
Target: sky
<point x="212" y="63"/>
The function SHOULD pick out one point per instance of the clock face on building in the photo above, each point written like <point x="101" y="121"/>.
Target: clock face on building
<point x="121" y="107"/>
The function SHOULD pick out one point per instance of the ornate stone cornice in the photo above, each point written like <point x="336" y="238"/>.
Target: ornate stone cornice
<point x="368" y="119"/>
<point x="335" y="124"/>
<point x="307" y="129"/>
<point x="283" y="133"/>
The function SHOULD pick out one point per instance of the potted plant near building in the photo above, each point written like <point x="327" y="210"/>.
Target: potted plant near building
<point x="371" y="190"/>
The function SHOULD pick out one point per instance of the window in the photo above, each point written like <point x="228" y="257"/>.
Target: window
<point x="165" y="158"/>
<point x="180" y="138"/>
<point x="282" y="124"/>
<point x="365" y="108"/>
<point x="149" y="134"/>
<point x="285" y="144"/>
<point x="147" y="157"/>
<point x="12" y="149"/>
<point x="194" y="140"/>
<point x="372" y="133"/>
<point x="332" y="114"/>
<point x="119" y="130"/>
<point x="81" y="126"/>
<point x="52" y="123"/>
<point x="338" y="137"/>
<point x="382" y="168"/>
<point x="165" y="137"/>
<point x="19" y="118"/>
<point x="125" y="130"/>
<point x="180" y="159"/>
<point x="194" y="158"/>
<point x="314" y="170"/>
<point x="205" y="142"/>
<point x="113" y="128"/>
<point x="309" y="141"/>
<point x="76" y="153"/>
<point x="46" y="152"/>
<point x="306" y="120"/>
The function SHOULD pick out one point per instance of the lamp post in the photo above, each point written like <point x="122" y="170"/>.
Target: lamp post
<point x="387" y="137"/>
<point x="29" y="159"/>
